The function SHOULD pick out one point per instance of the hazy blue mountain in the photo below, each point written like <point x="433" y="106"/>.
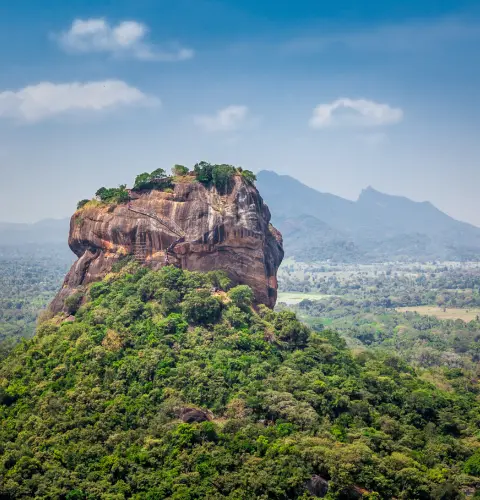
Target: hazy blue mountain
<point x="313" y="239"/>
<point x="45" y="231"/>
<point x="377" y="226"/>
<point x="319" y="226"/>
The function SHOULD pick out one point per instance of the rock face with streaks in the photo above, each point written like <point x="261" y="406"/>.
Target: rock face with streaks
<point x="198" y="228"/>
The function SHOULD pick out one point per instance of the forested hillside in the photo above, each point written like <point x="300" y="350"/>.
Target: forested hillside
<point x="30" y="275"/>
<point x="169" y="384"/>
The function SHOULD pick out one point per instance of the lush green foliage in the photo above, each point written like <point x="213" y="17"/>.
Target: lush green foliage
<point x="389" y="284"/>
<point x="82" y="203"/>
<point x="472" y="466"/>
<point x="249" y="176"/>
<point x="203" y="172"/>
<point x="361" y="303"/>
<point x="179" y="170"/>
<point x="220" y="176"/>
<point x="241" y="296"/>
<point x="113" y="195"/>
<point x="91" y="408"/>
<point x="156" y="180"/>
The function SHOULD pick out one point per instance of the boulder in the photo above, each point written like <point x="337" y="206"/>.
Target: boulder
<point x="191" y="226"/>
<point x="194" y="415"/>
<point x="317" y="486"/>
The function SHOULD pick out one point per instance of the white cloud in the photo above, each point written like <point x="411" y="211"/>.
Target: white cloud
<point x="225" y="120"/>
<point x="126" y="39"/>
<point x="354" y="112"/>
<point x="45" y="100"/>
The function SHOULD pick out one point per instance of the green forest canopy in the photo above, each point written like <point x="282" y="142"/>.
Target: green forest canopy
<point x="93" y="408"/>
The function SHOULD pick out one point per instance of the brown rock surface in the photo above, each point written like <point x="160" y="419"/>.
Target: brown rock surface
<point x="231" y="232"/>
<point x="194" y="415"/>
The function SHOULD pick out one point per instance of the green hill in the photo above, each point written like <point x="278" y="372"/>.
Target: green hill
<point x="168" y="385"/>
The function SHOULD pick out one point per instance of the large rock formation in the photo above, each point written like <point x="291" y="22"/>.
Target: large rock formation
<point x="201" y="229"/>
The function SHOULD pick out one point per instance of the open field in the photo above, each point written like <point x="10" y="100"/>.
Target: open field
<point x="441" y="313"/>
<point x="292" y="298"/>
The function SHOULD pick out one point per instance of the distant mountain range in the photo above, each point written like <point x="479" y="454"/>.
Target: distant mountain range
<point x="376" y="227"/>
<point x="46" y="231"/>
<point x="321" y="226"/>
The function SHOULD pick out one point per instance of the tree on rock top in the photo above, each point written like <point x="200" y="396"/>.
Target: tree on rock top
<point x="179" y="170"/>
<point x="155" y="180"/>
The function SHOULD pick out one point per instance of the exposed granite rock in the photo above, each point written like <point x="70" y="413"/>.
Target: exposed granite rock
<point x="194" y="415"/>
<point x="317" y="486"/>
<point x="231" y="232"/>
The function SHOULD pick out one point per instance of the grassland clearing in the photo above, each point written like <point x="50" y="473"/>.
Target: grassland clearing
<point x="292" y="298"/>
<point x="444" y="313"/>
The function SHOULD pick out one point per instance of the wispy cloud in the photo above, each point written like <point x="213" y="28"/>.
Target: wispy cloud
<point x="125" y="39"/>
<point x="46" y="100"/>
<point x="224" y="120"/>
<point x="409" y="36"/>
<point x="354" y="112"/>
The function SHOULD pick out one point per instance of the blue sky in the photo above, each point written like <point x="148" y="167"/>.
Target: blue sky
<point x="340" y="95"/>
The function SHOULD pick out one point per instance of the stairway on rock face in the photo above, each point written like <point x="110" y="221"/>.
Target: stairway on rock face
<point x="140" y="251"/>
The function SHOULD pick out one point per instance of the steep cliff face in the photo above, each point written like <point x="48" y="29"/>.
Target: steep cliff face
<point x="198" y="228"/>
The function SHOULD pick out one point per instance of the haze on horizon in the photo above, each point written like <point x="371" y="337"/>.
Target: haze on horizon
<point x="339" y="96"/>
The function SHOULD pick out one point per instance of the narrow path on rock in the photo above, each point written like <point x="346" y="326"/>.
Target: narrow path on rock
<point x="172" y="227"/>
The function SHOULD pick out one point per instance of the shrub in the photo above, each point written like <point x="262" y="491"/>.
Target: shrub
<point x="219" y="176"/>
<point x="242" y="296"/>
<point x="155" y="180"/>
<point x="81" y="204"/>
<point x="199" y="307"/>
<point x="249" y="176"/>
<point x="179" y="170"/>
<point x="73" y="302"/>
<point x="222" y="176"/>
<point x="472" y="465"/>
<point x="99" y="289"/>
<point x="121" y="263"/>
<point x="113" y="195"/>
<point x="290" y="329"/>
<point x="219" y="279"/>
<point x="236" y="317"/>
<point x="203" y="172"/>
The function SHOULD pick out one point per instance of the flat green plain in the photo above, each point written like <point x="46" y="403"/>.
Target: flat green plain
<point x="292" y="298"/>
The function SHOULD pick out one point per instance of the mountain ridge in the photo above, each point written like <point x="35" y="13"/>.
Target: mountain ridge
<point x="381" y="226"/>
<point x="43" y="231"/>
<point x="375" y="227"/>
